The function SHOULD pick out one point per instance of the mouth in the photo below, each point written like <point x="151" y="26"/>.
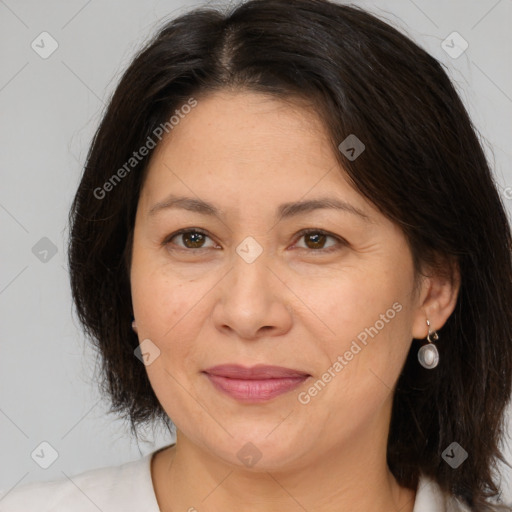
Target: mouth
<point x="256" y="384"/>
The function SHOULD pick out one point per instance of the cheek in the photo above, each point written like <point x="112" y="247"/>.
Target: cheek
<point x="167" y="311"/>
<point x="363" y="359"/>
<point x="160" y="298"/>
<point x="171" y="310"/>
<point x="358" y="300"/>
<point x="369" y="320"/>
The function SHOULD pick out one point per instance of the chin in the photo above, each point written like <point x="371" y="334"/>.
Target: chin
<point x="256" y="450"/>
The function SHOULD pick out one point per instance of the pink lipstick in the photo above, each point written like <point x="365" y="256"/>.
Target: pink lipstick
<point x="256" y="384"/>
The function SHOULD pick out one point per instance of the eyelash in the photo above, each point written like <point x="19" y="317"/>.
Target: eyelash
<point x="300" y="234"/>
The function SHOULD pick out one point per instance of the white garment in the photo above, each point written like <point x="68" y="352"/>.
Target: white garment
<point x="129" y="488"/>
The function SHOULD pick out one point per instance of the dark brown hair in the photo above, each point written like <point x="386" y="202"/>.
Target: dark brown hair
<point x="423" y="167"/>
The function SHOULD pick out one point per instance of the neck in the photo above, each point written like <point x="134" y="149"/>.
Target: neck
<point x="353" y="477"/>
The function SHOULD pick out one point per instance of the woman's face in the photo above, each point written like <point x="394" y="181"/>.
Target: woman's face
<point x="244" y="287"/>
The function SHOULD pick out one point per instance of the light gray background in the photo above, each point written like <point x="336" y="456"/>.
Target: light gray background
<point x="49" y="110"/>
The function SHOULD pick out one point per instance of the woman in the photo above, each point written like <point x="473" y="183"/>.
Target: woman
<point x="287" y="240"/>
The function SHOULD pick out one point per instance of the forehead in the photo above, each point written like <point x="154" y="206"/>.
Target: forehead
<point x="246" y="125"/>
<point x="247" y="149"/>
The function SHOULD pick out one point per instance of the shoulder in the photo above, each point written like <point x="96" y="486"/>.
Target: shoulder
<point x="430" y="497"/>
<point x="125" y="487"/>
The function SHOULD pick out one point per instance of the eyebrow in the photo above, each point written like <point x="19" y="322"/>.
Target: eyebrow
<point x="284" y="211"/>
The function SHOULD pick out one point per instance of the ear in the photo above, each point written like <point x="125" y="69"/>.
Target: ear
<point x="437" y="298"/>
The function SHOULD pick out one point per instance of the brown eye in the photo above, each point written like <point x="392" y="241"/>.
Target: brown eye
<point x="193" y="240"/>
<point x="190" y="239"/>
<point x="316" y="240"/>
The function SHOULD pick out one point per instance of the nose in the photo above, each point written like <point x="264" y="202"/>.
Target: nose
<point x="253" y="302"/>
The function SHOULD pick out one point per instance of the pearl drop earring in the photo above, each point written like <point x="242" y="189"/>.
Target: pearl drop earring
<point x="428" y="355"/>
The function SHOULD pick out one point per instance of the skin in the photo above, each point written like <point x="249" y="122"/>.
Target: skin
<point x="295" y="306"/>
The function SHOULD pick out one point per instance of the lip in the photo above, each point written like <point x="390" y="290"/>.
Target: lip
<point x="257" y="372"/>
<point x="259" y="383"/>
